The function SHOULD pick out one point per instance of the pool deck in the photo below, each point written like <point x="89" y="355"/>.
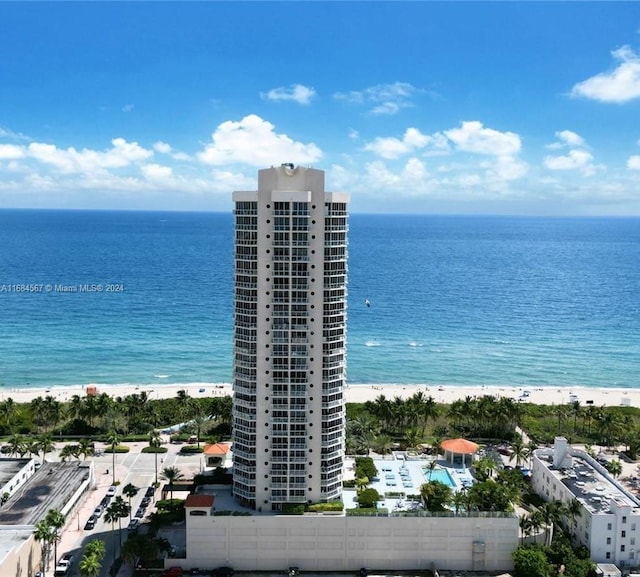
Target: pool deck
<point x="400" y="475"/>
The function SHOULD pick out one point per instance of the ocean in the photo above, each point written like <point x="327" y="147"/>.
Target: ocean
<point x="114" y="297"/>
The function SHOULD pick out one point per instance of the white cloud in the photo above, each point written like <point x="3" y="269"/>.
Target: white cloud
<point x="573" y="160"/>
<point x="353" y="134"/>
<point x="620" y="85"/>
<point x="296" y="92"/>
<point x="566" y="138"/>
<point x="253" y="141"/>
<point x="386" y="98"/>
<point x="634" y="162"/>
<point x="121" y="154"/>
<point x="7" y="133"/>
<point x="412" y="140"/>
<point x="156" y="171"/>
<point x="11" y="152"/>
<point x="472" y="136"/>
<point x="507" y="168"/>
<point x="392" y="147"/>
<point x="162" y="147"/>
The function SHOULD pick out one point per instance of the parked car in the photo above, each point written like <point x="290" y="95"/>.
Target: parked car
<point x="145" y="501"/>
<point x="133" y="524"/>
<point x="90" y="524"/>
<point x="150" y="492"/>
<point x="111" y="491"/>
<point x="63" y="565"/>
<point x="140" y="512"/>
<point x="97" y="512"/>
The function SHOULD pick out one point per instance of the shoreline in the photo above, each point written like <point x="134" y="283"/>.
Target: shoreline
<point x="355" y="393"/>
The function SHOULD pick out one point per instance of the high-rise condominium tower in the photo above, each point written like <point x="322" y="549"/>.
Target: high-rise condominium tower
<point x="289" y="337"/>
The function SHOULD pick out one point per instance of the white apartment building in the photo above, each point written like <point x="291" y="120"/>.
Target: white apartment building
<point x="289" y="339"/>
<point x="609" y="519"/>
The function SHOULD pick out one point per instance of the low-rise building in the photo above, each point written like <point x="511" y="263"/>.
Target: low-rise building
<point x="608" y="519"/>
<point x="59" y="486"/>
<point x="221" y="533"/>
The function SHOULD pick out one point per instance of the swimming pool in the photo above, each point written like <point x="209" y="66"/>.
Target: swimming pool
<point x="440" y="474"/>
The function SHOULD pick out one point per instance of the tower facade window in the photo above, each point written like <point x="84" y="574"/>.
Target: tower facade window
<point x="290" y="295"/>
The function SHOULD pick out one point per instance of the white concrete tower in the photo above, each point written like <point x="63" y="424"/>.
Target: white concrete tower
<point x="289" y="339"/>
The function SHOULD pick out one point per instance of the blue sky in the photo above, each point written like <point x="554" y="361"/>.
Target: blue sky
<point x="526" y="108"/>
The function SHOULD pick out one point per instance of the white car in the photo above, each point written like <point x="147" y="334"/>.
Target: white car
<point x="111" y="491"/>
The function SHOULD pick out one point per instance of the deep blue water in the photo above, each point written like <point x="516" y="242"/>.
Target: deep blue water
<point x="454" y="300"/>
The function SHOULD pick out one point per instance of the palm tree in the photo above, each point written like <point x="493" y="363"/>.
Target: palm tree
<point x="46" y="445"/>
<point x="155" y="440"/>
<point x="459" y="501"/>
<point x="85" y="448"/>
<point x="17" y="445"/>
<point x="519" y="451"/>
<point x="97" y="548"/>
<point x="8" y="411"/>
<point x="90" y="566"/>
<point x="198" y="418"/>
<point x="431" y="466"/>
<point x="74" y="409"/>
<point x="551" y="514"/>
<point x="574" y="510"/>
<point x="171" y="475"/>
<point x="116" y="511"/>
<point x="184" y="402"/>
<point x="129" y="491"/>
<point x="525" y="527"/>
<point x="535" y="523"/>
<point x="68" y="451"/>
<point x="576" y="409"/>
<point x="113" y="440"/>
<point x="614" y="467"/>
<point x="43" y="534"/>
<point x="56" y="521"/>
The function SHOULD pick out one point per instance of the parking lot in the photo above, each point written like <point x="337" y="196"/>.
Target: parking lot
<point x="134" y="467"/>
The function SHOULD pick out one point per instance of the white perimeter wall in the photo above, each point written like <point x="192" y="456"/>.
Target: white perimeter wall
<point x="341" y="543"/>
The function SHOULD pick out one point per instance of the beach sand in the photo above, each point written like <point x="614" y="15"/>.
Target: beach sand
<point x="359" y="393"/>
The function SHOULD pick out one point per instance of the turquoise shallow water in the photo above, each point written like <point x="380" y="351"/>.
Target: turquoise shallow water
<point x="454" y="300"/>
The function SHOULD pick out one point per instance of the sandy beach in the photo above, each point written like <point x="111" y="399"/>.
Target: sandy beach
<point x="358" y="393"/>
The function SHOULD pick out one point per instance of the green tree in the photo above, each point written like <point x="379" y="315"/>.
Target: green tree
<point x="17" y="445"/>
<point x="431" y="467"/>
<point x="45" y="445"/>
<point x="171" y="475"/>
<point x="96" y="547"/>
<point x="140" y="547"/>
<point x="574" y="510"/>
<point x="614" y="467"/>
<point x="155" y="440"/>
<point x="90" y="566"/>
<point x="130" y="491"/>
<point x="365" y="467"/>
<point x="368" y="498"/>
<point x="8" y="413"/>
<point x="116" y="511"/>
<point x="43" y="534"/>
<point x="489" y="496"/>
<point x="85" y="448"/>
<point x="113" y="440"/>
<point x="56" y="521"/>
<point x="68" y="451"/>
<point x="436" y="496"/>
<point x="530" y="561"/>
